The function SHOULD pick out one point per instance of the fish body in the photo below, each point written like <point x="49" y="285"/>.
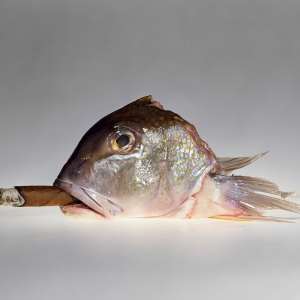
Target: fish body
<point x="144" y="161"/>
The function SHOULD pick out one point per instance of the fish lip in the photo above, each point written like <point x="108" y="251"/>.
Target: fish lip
<point x="106" y="207"/>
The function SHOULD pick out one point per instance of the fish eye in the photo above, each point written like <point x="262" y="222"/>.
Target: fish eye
<point x="123" y="141"/>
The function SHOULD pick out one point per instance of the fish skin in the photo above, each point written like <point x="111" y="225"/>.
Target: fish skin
<point x="164" y="169"/>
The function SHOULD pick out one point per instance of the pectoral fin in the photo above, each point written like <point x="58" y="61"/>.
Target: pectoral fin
<point x="250" y="197"/>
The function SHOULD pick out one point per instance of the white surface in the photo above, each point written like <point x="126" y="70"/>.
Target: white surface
<point x="229" y="67"/>
<point x="46" y="256"/>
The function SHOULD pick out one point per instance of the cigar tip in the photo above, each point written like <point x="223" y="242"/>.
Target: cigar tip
<point x="11" y="197"/>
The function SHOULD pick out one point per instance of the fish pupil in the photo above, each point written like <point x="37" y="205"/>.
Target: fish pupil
<point x="122" y="140"/>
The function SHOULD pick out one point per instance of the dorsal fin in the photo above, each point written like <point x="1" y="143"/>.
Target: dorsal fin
<point x="144" y="101"/>
<point x="233" y="163"/>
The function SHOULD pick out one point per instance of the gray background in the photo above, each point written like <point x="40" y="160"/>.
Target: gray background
<point x="232" y="68"/>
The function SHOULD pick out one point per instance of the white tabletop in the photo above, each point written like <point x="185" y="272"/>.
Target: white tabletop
<point x="47" y="256"/>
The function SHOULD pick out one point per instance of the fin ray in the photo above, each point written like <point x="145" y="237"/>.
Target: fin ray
<point x="233" y="163"/>
<point x="250" y="196"/>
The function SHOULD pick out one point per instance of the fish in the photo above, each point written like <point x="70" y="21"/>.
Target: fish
<point x="143" y="161"/>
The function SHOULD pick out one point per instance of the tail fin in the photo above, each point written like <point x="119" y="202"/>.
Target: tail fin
<point x="250" y="196"/>
<point x="232" y="163"/>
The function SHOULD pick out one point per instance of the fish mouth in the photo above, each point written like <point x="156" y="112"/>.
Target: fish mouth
<point x="101" y="205"/>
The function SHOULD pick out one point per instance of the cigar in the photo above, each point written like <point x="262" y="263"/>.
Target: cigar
<point x="35" y="196"/>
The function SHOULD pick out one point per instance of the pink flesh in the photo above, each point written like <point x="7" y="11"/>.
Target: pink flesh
<point x="157" y="104"/>
<point x="81" y="211"/>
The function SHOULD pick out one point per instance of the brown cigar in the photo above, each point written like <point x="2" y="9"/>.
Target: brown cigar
<point x="44" y="196"/>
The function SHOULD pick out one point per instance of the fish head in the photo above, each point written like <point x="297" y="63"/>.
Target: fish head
<point x="139" y="161"/>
